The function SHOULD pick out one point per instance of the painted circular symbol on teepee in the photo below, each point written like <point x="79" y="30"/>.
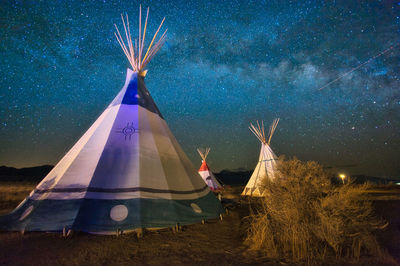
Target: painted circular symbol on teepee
<point x="119" y="213"/>
<point x="196" y="208"/>
<point x="128" y="131"/>
<point x="26" y="213"/>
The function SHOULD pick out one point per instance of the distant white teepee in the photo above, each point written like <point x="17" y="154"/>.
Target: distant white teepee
<point x="127" y="171"/>
<point x="206" y="173"/>
<point x="266" y="165"/>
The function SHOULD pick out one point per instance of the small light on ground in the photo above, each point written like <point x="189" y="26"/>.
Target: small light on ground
<point x="343" y="177"/>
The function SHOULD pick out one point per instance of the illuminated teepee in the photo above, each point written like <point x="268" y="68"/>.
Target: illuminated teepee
<point x="266" y="165"/>
<point x="206" y="173"/>
<point x="126" y="172"/>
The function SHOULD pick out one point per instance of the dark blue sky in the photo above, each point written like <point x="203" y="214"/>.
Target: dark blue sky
<point x="225" y="64"/>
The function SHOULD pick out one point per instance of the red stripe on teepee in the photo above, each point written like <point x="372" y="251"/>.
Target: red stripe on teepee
<point x="203" y="167"/>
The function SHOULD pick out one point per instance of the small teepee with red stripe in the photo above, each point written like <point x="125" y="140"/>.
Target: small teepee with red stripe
<point x="206" y="173"/>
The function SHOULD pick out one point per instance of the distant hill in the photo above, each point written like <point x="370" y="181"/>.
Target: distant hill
<point x="360" y="179"/>
<point x="236" y="177"/>
<point x="36" y="173"/>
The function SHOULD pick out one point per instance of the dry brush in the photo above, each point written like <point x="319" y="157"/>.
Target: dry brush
<point x="303" y="216"/>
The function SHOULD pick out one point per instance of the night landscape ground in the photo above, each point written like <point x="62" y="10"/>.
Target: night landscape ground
<point x="216" y="242"/>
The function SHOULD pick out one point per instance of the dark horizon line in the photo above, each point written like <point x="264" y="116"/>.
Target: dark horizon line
<point x="236" y="170"/>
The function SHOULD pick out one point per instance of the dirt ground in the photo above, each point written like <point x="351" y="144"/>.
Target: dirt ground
<point x="214" y="243"/>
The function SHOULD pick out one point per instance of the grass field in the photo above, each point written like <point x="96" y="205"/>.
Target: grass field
<point x="12" y="193"/>
<point x="214" y="243"/>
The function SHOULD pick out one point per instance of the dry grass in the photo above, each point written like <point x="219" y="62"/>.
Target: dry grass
<point x="232" y="192"/>
<point x="305" y="218"/>
<point x="12" y="193"/>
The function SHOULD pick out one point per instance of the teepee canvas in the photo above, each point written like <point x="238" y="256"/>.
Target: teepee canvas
<point x="127" y="171"/>
<point x="206" y="173"/>
<point x="266" y="165"/>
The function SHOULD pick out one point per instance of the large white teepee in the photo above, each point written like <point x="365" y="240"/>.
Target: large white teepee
<point x="206" y="173"/>
<point x="266" y="165"/>
<point x="127" y="171"/>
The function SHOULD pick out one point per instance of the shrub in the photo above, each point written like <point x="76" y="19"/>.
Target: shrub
<point x="304" y="217"/>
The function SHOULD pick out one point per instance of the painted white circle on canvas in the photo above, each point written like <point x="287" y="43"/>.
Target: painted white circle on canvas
<point x="196" y="208"/>
<point x="26" y="213"/>
<point x="119" y="213"/>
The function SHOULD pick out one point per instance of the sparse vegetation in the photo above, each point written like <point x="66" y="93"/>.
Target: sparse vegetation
<point x="305" y="218"/>
<point x="12" y="193"/>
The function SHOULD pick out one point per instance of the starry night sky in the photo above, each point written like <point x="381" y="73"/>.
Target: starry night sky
<point x="225" y="64"/>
